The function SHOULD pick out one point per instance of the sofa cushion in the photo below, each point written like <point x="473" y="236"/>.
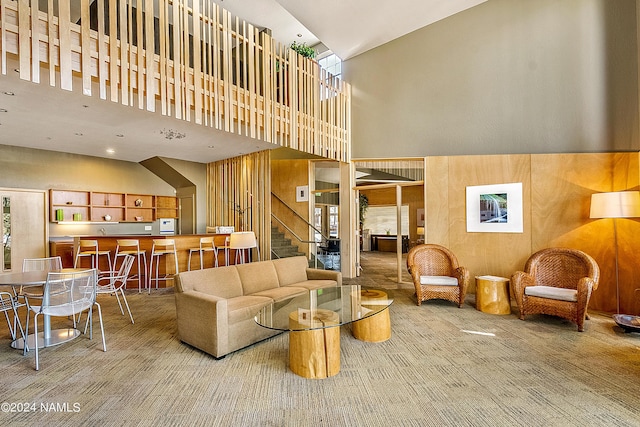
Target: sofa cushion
<point x="223" y="282"/>
<point x="552" y="292"/>
<point x="315" y="284"/>
<point x="245" y="307"/>
<point x="291" y="270"/>
<point x="257" y="276"/>
<point x="282" y="293"/>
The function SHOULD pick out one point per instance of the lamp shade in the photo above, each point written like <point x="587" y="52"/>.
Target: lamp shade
<point x="617" y="204"/>
<point x="243" y="240"/>
<point x="420" y="231"/>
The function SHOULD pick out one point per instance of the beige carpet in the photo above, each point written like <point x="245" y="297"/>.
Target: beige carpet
<point x="433" y="371"/>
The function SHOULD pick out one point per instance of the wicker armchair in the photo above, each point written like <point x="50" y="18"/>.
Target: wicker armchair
<point x="436" y="274"/>
<point x="557" y="282"/>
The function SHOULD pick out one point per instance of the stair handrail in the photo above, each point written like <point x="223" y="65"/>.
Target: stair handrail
<point x="293" y="233"/>
<point x="299" y="216"/>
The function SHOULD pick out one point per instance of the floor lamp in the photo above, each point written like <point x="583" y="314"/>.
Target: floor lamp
<point x="618" y="204"/>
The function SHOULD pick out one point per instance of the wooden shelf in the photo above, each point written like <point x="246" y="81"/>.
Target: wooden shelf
<point x="117" y="207"/>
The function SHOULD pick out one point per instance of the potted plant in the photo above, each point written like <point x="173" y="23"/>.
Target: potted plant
<point x="303" y="49"/>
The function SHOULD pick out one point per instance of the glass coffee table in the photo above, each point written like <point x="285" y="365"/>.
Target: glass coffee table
<point x="313" y="320"/>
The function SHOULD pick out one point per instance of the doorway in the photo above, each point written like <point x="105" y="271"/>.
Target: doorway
<point x="24" y="227"/>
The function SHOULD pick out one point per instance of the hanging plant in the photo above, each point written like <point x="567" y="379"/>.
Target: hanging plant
<point x="303" y="49"/>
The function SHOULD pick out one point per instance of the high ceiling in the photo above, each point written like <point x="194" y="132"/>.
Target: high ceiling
<point x="40" y="116"/>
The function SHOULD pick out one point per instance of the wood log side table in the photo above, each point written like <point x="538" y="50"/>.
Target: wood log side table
<point x="492" y="295"/>
<point x="314" y="353"/>
<point x="376" y="328"/>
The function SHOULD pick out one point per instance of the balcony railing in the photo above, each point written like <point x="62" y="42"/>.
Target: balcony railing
<point x="192" y="61"/>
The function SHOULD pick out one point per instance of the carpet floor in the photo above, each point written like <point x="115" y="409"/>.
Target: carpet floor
<point x="443" y="366"/>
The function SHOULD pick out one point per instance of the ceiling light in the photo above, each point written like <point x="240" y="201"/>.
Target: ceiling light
<point x="172" y="134"/>
<point x="6" y="92"/>
<point x="78" y="133"/>
<point x="3" y="110"/>
<point x="120" y="135"/>
<point x="299" y="35"/>
<point x="110" y="151"/>
<point x="210" y="146"/>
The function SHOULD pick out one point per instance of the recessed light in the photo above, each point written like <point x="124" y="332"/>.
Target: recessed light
<point x="3" y="110"/>
<point x="85" y="106"/>
<point x="120" y="135"/>
<point x="17" y="70"/>
<point x="78" y="133"/>
<point x="299" y="35"/>
<point x="210" y="146"/>
<point x="6" y="92"/>
<point x="110" y="151"/>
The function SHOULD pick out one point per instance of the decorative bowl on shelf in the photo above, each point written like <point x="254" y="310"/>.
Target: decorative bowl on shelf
<point x="138" y="202"/>
<point x="107" y="217"/>
<point x="139" y="218"/>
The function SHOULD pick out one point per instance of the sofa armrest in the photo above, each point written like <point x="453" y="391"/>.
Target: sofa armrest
<point x="317" y="274"/>
<point x="203" y="321"/>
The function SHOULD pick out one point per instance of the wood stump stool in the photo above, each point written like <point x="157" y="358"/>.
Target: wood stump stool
<point x="314" y="353"/>
<point x="376" y="328"/>
<point x="492" y="295"/>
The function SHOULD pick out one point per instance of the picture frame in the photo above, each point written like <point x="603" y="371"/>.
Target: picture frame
<point x="494" y="208"/>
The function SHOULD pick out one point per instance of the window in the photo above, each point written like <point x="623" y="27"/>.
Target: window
<point x="332" y="64"/>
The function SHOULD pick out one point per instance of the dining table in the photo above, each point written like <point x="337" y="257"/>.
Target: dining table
<point x="47" y="337"/>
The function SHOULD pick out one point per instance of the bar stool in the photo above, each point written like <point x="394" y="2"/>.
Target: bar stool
<point x="162" y="247"/>
<point x="206" y="245"/>
<point x="242" y="241"/>
<point x="132" y="247"/>
<point x="90" y="248"/>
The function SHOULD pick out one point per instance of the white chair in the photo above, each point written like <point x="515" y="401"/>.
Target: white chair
<point x="132" y="247"/>
<point x="206" y="245"/>
<point x="115" y="281"/>
<point x="37" y="264"/>
<point x="160" y="248"/>
<point x="9" y="303"/>
<point x="42" y="264"/>
<point x="68" y="295"/>
<point x="89" y="248"/>
<point x="243" y="241"/>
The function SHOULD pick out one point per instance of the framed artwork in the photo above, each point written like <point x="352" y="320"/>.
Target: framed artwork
<point x="302" y="193"/>
<point x="494" y="208"/>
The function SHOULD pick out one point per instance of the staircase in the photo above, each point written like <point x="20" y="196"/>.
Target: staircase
<point x="280" y="246"/>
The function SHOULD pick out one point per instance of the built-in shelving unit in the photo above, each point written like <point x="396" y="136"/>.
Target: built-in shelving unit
<point x="98" y="206"/>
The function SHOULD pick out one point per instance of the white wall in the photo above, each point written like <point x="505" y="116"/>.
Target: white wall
<point x="504" y="77"/>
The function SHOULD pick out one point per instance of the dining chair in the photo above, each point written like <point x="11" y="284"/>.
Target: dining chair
<point x="114" y="282"/>
<point x="37" y="264"/>
<point x="9" y="303"/>
<point x="206" y="245"/>
<point x="68" y="295"/>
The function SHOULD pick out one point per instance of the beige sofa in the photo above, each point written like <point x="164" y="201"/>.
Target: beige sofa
<point x="215" y="307"/>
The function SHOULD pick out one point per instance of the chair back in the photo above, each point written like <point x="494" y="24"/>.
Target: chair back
<point x="66" y="294"/>
<point x="42" y="264"/>
<point x="129" y="244"/>
<point x="115" y="282"/>
<point x="207" y="243"/>
<point x="163" y="245"/>
<point x="562" y="267"/>
<point x="88" y="246"/>
<point x="431" y="260"/>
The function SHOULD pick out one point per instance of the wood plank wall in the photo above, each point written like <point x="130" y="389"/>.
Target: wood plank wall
<point x="239" y="194"/>
<point x="557" y="191"/>
<point x="210" y="69"/>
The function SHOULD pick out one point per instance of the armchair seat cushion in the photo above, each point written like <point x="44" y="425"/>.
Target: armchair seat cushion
<point x="551" y="292"/>
<point x="438" y="280"/>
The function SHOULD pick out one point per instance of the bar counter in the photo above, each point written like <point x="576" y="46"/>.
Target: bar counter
<point x="65" y="249"/>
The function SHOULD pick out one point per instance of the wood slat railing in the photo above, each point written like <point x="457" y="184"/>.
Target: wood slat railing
<point x="192" y="61"/>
